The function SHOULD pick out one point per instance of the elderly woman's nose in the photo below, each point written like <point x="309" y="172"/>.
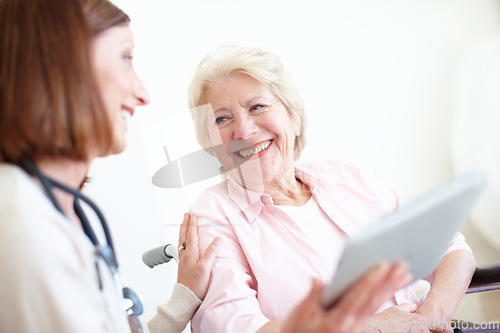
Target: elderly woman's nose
<point x="244" y="128"/>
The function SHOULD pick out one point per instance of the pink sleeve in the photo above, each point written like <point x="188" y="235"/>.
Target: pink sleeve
<point x="231" y="304"/>
<point x="458" y="243"/>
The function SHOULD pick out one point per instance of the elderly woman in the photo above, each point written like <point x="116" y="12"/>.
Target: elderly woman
<point x="285" y="223"/>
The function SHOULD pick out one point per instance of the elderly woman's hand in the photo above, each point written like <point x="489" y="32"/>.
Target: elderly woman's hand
<point x="194" y="270"/>
<point x="399" y="319"/>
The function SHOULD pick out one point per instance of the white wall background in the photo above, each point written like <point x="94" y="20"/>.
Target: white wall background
<point x="378" y="79"/>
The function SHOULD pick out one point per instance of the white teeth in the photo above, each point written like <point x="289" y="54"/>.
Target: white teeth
<point x="125" y="114"/>
<point x="254" y="150"/>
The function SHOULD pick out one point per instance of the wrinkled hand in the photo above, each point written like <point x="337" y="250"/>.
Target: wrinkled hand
<point x="439" y="321"/>
<point x="398" y="319"/>
<point x="194" y="270"/>
<point x="356" y="304"/>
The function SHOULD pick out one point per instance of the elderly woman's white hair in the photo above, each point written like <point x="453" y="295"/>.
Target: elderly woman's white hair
<point x="263" y="66"/>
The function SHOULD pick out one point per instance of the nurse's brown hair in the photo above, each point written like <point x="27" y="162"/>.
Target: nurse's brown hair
<point x="50" y="106"/>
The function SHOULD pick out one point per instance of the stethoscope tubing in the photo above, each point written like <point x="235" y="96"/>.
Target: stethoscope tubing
<point x="106" y="252"/>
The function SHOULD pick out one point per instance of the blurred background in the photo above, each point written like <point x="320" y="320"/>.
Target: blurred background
<point x="407" y="89"/>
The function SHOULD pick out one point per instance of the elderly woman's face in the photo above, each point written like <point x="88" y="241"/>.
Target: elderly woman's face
<point x="253" y="127"/>
<point x="121" y="89"/>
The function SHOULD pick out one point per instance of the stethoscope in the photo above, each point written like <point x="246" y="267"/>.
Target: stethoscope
<point x="132" y="302"/>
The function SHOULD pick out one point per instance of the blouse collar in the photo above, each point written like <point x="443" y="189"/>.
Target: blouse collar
<point x="250" y="202"/>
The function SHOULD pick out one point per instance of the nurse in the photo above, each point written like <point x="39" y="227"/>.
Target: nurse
<point x="67" y="85"/>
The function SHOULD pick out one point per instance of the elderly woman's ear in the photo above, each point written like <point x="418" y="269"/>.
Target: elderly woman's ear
<point x="297" y="129"/>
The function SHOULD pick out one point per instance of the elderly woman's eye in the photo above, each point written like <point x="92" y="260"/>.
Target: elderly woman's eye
<point x="257" y="107"/>
<point x="220" y="120"/>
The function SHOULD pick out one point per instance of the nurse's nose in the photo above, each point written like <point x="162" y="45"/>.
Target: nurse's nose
<point x="140" y="93"/>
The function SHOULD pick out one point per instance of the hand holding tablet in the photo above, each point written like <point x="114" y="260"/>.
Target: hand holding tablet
<point x="360" y="301"/>
<point x="418" y="232"/>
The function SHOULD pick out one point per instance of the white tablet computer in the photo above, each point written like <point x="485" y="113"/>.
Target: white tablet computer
<point x="419" y="231"/>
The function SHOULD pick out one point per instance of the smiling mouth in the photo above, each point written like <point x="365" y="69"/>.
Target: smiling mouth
<point x="126" y="114"/>
<point x="258" y="148"/>
<point x="127" y="111"/>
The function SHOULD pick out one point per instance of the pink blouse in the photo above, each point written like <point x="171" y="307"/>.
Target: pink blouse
<point x="265" y="266"/>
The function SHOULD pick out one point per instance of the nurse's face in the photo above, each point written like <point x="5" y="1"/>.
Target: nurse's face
<point x="253" y="126"/>
<point x="121" y="89"/>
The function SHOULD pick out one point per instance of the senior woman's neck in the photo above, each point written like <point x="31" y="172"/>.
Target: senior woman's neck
<point x="287" y="192"/>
